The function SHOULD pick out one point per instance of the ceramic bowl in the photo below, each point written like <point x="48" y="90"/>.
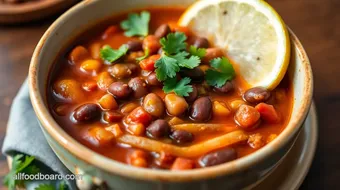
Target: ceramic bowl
<point x="238" y="174"/>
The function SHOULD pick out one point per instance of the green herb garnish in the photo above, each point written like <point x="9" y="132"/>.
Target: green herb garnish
<point x="173" y="43"/>
<point x="166" y="67"/>
<point x="181" y="88"/>
<point x="223" y="71"/>
<point x="200" y="52"/>
<point x="136" y="25"/>
<point x="183" y="61"/>
<point x="110" y="55"/>
<point x="146" y="54"/>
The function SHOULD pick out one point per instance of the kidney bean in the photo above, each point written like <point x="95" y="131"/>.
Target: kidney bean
<point x="218" y="157"/>
<point x="138" y="87"/>
<point x="256" y="95"/>
<point x="162" y="31"/>
<point x="87" y="112"/>
<point x="196" y="74"/>
<point x="247" y="117"/>
<point x="175" y="105"/>
<point x="227" y="87"/>
<point x="158" y="129"/>
<point x="134" y="45"/>
<point x="212" y="53"/>
<point x="123" y="70"/>
<point x="154" y="105"/>
<point x="201" y="42"/>
<point x="201" y="109"/>
<point x="192" y="95"/>
<point x="119" y="90"/>
<point x="152" y="79"/>
<point x="182" y="137"/>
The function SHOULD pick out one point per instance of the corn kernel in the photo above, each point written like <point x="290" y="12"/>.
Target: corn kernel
<point x="175" y="121"/>
<point x="115" y="130"/>
<point x="91" y="65"/>
<point x="236" y="104"/>
<point x="127" y="108"/>
<point x="219" y="109"/>
<point x="108" y="102"/>
<point x="136" y="129"/>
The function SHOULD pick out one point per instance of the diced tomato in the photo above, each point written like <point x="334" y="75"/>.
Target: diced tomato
<point x="183" y="164"/>
<point x="268" y="113"/>
<point x="110" y="31"/>
<point x="139" y="115"/>
<point x="149" y="63"/>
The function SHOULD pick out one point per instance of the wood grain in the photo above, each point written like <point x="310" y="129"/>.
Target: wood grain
<point x="315" y="22"/>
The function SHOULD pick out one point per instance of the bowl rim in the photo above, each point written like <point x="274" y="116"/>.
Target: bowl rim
<point x="109" y="165"/>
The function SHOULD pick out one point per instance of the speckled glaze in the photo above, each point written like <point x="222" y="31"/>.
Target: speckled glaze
<point x="238" y="174"/>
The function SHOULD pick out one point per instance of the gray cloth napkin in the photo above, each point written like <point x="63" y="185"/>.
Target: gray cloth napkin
<point x="24" y="135"/>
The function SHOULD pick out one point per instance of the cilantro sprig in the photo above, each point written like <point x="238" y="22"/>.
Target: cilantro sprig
<point x="181" y="88"/>
<point x="136" y="25"/>
<point x="174" y="56"/>
<point x="20" y="164"/>
<point x="199" y="52"/>
<point x="110" y="55"/>
<point x="223" y="71"/>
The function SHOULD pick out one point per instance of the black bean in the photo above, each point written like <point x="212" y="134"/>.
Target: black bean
<point x="182" y="137"/>
<point x="256" y="95"/>
<point x="87" y="112"/>
<point x="158" y="129"/>
<point x="152" y="80"/>
<point x="227" y="87"/>
<point x="218" y="157"/>
<point x="138" y="87"/>
<point x="201" y="109"/>
<point x="201" y="42"/>
<point x="162" y="31"/>
<point x="192" y="95"/>
<point x="196" y="74"/>
<point x="134" y="45"/>
<point x="119" y="90"/>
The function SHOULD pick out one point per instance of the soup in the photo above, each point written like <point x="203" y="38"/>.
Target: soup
<point x="158" y="96"/>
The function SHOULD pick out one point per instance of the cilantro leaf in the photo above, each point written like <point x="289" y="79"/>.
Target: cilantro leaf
<point x="18" y="165"/>
<point x="63" y="186"/>
<point x="45" y="187"/>
<point x="200" y="52"/>
<point x="146" y="54"/>
<point x="166" y="67"/>
<point x="111" y="55"/>
<point x="173" y="43"/>
<point x="136" y="25"/>
<point x="223" y="71"/>
<point x="180" y="88"/>
<point x="190" y="63"/>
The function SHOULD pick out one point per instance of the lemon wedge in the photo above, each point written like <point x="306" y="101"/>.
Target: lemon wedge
<point x="251" y="32"/>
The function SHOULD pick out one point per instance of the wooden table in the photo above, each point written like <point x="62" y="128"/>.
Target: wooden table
<point x="315" y="22"/>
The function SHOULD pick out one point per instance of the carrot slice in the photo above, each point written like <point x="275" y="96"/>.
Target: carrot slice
<point x="190" y="151"/>
<point x="268" y="113"/>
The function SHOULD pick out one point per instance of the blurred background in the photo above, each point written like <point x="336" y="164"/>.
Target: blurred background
<point x="315" y="22"/>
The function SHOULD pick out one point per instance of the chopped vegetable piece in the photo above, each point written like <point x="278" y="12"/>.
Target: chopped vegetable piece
<point x="173" y="43"/>
<point x="204" y="127"/>
<point x="222" y="73"/>
<point x="137" y="129"/>
<point x="268" y="113"/>
<point x="199" y="52"/>
<point x="256" y="141"/>
<point x="175" y="121"/>
<point x="148" y="64"/>
<point x="235" y="104"/>
<point x="99" y="136"/>
<point x="136" y="25"/>
<point x="181" y="88"/>
<point x="115" y="130"/>
<point x="108" y="102"/>
<point x="189" y="151"/>
<point x="139" y="115"/>
<point x="183" y="164"/>
<point x="220" y="109"/>
<point x="247" y="117"/>
<point x="110" y="55"/>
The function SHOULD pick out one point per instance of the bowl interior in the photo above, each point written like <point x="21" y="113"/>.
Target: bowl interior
<point x="85" y="15"/>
